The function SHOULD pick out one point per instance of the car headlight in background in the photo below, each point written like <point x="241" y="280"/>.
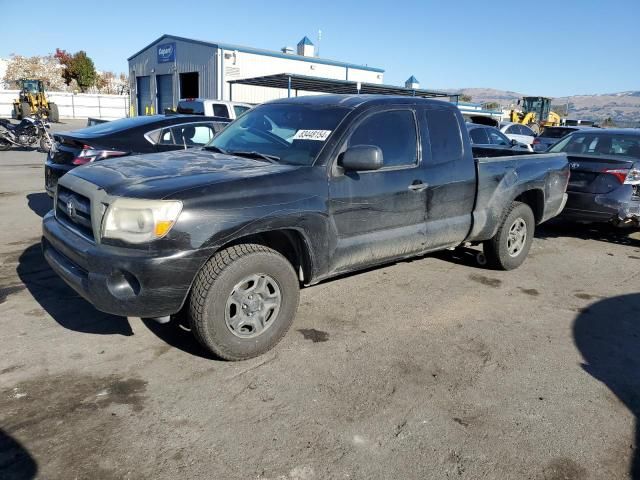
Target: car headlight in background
<point x="140" y="221"/>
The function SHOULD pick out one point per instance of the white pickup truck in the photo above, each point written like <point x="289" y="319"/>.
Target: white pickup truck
<point x="212" y="108"/>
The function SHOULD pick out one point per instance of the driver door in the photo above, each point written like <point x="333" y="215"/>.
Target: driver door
<point x="380" y="215"/>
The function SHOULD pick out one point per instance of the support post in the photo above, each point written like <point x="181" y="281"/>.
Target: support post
<point x="289" y="87"/>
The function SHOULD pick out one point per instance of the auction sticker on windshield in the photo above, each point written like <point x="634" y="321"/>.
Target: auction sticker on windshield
<point x="318" y="135"/>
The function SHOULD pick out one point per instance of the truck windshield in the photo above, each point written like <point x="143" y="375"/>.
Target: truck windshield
<point x="292" y="134"/>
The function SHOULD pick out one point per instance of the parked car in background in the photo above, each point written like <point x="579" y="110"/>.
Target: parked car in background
<point x="519" y="132"/>
<point x="484" y="136"/>
<point x="605" y="175"/>
<point x="118" y="138"/>
<point x="212" y="108"/>
<point x="552" y="135"/>
<point x="226" y="234"/>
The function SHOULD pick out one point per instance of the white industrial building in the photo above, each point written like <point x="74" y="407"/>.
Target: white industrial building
<point x="173" y="67"/>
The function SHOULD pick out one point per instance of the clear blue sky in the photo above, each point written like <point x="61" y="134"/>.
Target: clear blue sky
<point x="554" y="48"/>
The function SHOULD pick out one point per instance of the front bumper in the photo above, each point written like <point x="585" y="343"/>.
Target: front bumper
<point x="120" y="281"/>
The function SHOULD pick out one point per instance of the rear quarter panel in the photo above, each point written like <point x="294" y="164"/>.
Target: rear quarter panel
<point x="502" y="180"/>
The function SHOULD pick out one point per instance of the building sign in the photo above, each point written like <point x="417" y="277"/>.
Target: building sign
<point x="167" y="53"/>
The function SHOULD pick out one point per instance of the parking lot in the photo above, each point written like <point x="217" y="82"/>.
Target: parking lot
<point x="432" y="368"/>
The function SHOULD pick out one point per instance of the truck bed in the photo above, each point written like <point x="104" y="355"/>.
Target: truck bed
<point x="500" y="179"/>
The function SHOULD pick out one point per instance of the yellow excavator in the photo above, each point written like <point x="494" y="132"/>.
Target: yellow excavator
<point x="33" y="101"/>
<point x="535" y="113"/>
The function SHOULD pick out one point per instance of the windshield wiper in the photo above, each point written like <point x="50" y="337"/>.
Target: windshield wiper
<point x="258" y="155"/>
<point x="213" y="148"/>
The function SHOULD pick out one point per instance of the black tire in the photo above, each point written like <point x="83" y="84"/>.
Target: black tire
<point x="4" y="145"/>
<point x="25" y="109"/>
<point x="54" y="114"/>
<point x="212" y="288"/>
<point x="496" y="249"/>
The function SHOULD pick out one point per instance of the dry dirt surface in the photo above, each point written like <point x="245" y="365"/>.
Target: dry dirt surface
<point x="429" y="369"/>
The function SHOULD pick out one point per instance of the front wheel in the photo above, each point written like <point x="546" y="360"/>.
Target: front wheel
<point x="511" y="243"/>
<point x="243" y="301"/>
<point x="45" y="143"/>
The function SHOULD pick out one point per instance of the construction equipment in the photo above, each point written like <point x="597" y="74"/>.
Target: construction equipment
<point x="33" y="101"/>
<point x="536" y="112"/>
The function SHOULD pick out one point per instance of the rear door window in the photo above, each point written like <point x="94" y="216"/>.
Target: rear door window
<point x="394" y="132"/>
<point x="444" y="135"/>
<point x="188" y="135"/>
<point x="220" y="110"/>
<point x="239" y="109"/>
<point x="496" y="137"/>
<point x="479" y="136"/>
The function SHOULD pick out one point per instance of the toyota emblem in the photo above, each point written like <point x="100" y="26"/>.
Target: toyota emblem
<point x="71" y="209"/>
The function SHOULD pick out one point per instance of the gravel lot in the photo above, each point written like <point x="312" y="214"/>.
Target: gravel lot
<point x="433" y="368"/>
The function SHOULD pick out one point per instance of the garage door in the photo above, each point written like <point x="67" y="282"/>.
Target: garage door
<point x="144" y="95"/>
<point x="165" y="92"/>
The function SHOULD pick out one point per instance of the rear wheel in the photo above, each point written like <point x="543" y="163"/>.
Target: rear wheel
<point x="4" y="144"/>
<point x="243" y="301"/>
<point x="511" y="243"/>
<point x="25" y="109"/>
<point x="54" y="115"/>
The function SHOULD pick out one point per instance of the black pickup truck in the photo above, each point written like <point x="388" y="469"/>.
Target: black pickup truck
<point x="294" y="192"/>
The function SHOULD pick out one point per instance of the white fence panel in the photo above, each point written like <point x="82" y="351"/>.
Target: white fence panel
<point x="81" y="105"/>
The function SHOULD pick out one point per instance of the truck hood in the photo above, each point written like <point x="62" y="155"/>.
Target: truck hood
<point x="158" y="175"/>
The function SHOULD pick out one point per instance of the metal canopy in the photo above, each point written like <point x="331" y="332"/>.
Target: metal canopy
<point x="294" y="82"/>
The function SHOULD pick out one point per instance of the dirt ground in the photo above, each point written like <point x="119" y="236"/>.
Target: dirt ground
<point x="434" y="368"/>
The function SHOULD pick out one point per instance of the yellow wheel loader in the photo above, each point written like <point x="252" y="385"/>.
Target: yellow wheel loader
<point x="33" y="101"/>
<point x="536" y="112"/>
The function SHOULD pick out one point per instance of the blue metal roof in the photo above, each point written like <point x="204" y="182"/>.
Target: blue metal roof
<point x="412" y="79"/>
<point x="259" y="51"/>
<point x="305" y="41"/>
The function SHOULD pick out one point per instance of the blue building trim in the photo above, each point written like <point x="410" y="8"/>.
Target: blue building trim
<point x="258" y="51"/>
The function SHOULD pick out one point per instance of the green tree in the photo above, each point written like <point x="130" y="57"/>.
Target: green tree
<point x="78" y="67"/>
<point x="608" y="122"/>
<point x="465" y="98"/>
<point x="491" y="106"/>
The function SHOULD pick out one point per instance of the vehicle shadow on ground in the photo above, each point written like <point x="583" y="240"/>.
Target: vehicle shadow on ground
<point x="40" y="203"/>
<point x="607" y="335"/>
<point x="177" y="334"/>
<point x="465" y="256"/>
<point x="16" y="463"/>
<point x="61" y="302"/>
<point x="601" y="232"/>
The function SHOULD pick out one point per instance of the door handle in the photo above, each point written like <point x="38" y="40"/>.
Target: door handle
<point x="418" y="186"/>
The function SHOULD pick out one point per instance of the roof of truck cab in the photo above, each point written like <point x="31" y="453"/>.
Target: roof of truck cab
<point x="353" y="101"/>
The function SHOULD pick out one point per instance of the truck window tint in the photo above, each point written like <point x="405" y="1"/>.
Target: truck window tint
<point x="444" y="135"/>
<point x="479" y="136"/>
<point x="394" y="132"/>
<point x="190" y="106"/>
<point x="220" y="110"/>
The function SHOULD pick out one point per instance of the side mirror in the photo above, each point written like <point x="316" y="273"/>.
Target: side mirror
<point x="514" y="142"/>
<point x="362" y="157"/>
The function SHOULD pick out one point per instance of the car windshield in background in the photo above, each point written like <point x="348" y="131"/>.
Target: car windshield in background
<point x="291" y="133"/>
<point x="192" y="107"/>
<point x="555" y="132"/>
<point x="599" y="144"/>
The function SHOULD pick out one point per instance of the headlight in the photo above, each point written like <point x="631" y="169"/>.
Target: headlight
<point x="140" y="221"/>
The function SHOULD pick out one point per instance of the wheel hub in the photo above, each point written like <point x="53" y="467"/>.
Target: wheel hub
<point x="517" y="237"/>
<point x="253" y="305"/>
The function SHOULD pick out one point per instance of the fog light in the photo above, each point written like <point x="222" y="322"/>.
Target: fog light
<point x="123" y="285"/>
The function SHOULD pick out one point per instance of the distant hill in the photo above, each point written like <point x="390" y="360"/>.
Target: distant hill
<point x="622" y="106"/>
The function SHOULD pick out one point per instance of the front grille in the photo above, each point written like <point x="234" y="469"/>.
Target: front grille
<point x="74" y="211"/>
